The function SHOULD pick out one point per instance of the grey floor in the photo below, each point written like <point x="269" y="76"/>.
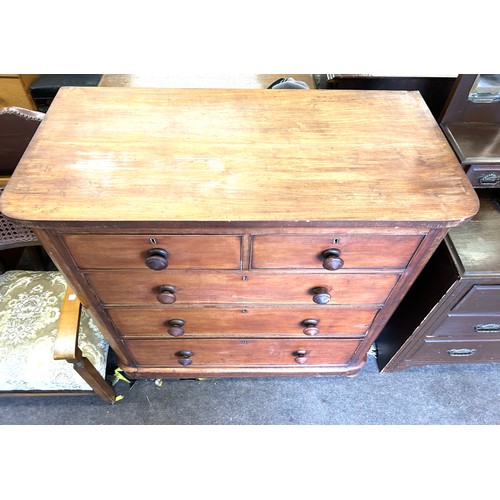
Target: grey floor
<point x="450" y="395"/>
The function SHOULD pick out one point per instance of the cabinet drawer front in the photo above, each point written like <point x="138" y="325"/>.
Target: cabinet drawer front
<point x="483" y="327"/>
<point x="237" y="321"/>
<point x="241" y="352"/>
<point x="144" y="288"/>
<point x="480" y="299"/>
<point x="356" y="251"/>
<point x="484" y="176"/>
<point x="131" y="251"/>
<point x="467" y="351"/>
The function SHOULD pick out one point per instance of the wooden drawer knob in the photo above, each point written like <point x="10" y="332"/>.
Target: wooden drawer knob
<point x="167" y="294"/>
<point x="185" y="357"/>
<point x="175" y="327"/>
<point x="156" y="259"/>
<point x="311" y="326"/>
<point x="300" y="356"/>
<point x="321" y="295"/>
<point x="332" y="260"/>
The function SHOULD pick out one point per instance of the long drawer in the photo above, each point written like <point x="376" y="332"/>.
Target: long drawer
<point x="243" y="352"/>
<point x="131" y="251"/>
<point x="354" y="251"/>
<point x="226" y="287"/>
<point x="238" y="321"/>
<point x="484" y="176"/>
<point x="480" y="299"/>
<point x="479" y="327"/>
<point x="452" y="351"/>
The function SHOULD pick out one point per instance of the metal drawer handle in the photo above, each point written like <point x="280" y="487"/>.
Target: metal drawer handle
<point x="488" y="328"/>
<point x="461" y="352"/>
<point x="488" y="179"/>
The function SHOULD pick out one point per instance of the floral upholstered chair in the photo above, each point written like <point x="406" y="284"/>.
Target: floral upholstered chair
<point x="48" y="342"/>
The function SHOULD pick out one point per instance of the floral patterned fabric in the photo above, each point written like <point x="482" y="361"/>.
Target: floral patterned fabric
<point x="30" y="305"/>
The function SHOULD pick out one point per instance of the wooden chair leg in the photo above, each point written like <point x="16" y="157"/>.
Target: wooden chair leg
<point x="66" y="347"/>
<point x="87" y="371"/>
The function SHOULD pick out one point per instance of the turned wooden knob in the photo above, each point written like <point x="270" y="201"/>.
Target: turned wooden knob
<point x="311" y="326"/>
<point x="167" y="294"/>
<point x="156" y="259"/>
<point x="332" y="260"/>
<point x="300" y="356"/>
<point x="321" y="295"/>
<point x="185" y="357"/>
<point x="175" y="327"/>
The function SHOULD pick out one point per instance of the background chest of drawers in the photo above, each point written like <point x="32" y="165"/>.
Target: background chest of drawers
<point x="452" y="312"/>
<point x="208" y="239"/>
<point x="471" y="122"/>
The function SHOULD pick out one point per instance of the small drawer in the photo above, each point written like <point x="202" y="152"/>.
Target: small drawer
<point x="480" y="299"/>
<point x="133" y="251"/>
<point x="484" y="176"/>
<point x="242" y="321"/>
<point x="323" y="252"/>
<point x="228" y="287"/>
<point x="467" y="351"/>
<point x="479" y="327"/>
<point x="241" y="352"/>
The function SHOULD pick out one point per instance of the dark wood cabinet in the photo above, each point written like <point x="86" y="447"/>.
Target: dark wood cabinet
<point x="471" y="122"/>
<point x="452" y="312"/>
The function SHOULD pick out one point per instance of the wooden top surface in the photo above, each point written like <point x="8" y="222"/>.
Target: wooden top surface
<point x="231" y="81"/>
<point x="477" y="243"/>
<point x="218" y="155"/>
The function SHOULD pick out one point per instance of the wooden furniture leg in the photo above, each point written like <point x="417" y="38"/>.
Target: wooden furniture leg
<point x="66" y="348"/>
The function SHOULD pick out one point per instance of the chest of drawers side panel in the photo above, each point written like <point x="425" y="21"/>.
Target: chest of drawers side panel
<point x="54" y="245"/>
<point x="387" y="327"/>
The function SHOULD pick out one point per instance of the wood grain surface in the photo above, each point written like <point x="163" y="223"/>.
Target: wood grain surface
<point x="211" y="155"/>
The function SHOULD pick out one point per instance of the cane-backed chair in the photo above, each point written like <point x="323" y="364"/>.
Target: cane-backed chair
<point x="17" y="127"/>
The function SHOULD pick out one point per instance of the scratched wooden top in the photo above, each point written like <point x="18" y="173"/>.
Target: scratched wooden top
<point x="219" y="155"/>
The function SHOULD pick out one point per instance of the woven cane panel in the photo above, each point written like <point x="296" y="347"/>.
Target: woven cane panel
<point x="13" y="235"/>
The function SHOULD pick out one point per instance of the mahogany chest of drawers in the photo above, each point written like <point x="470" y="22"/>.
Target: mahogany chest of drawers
<point x="239" y="232"/>
<point x="452" y="312"/>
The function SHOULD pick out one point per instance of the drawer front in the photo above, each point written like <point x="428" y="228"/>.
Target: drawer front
<point x="467" y="351"/>
<point x="355" y="251"/>
<point x="237" y="321"/>
<point x="480" y="299"/>
<point x="241" y="352"/>
<point x="483" y="327"/>
<point x="131" y="251"/>
<point x="145" y="288"/>
<point x="484" y="176"/>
